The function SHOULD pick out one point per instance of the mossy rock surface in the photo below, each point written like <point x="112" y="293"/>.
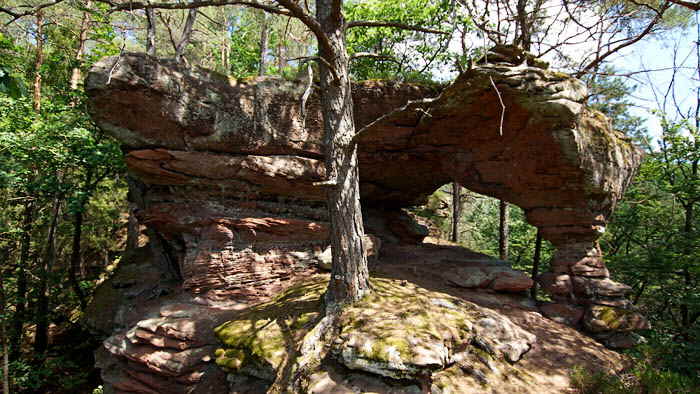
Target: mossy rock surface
<point x="258" y="341"/>
<point x="601" y="318"/>
<point x="404" y="331"/>
<point x="399" y="331"/>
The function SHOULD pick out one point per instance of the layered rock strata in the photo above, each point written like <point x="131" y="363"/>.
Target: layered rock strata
<point x="227" y="168"/>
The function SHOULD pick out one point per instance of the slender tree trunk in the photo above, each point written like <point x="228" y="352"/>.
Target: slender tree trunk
<point x="21" y="303"/>
<point x="151" y="32"/>
<point x="4" y="255"/>
<point x="536" y="263"/>
<point x="75" y="257"/>
<point x="456" y="210"/>
<point x="132" y="233"/>
<point x="262" y="66"/>
<point x="225" y="50"/>
<point x="39" y="60"/>
<point x="503" y="230"/>
<point x="186" y="34"/>
<point x="76" y="75"/>
<point x="349" y="274"/>
<point x="281" y="61"/>
<point x="75" y="260"/>
<point x="41" y="337"/>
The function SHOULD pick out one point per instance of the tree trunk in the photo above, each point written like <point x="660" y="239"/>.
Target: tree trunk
<point x="503" y="230"/>
<point x="21" y="303"/>
<point x="41" y="336"/>
<point x="262" y="66"/>
<point x="536" y="263"/>
<point x="349" y="274"/>
<point x="4" y="255"/>
<point x="39" y="60"/>
<point x="186" y="34"/>
<point x="75" y="256"/>
<point x="151" y="32"/>
<point x="456" y="211"/>
<point x="76" y="75"/>
<point x="132" y="232"/>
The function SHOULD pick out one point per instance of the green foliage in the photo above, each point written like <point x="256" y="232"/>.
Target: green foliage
<point x="653" y="244"/>
<point x="479" y="225"/>
<point x="610" y="95"/>
<point x="645" y="377"/>
<point x="62" y="373"/>
<point x="403" y="54"/>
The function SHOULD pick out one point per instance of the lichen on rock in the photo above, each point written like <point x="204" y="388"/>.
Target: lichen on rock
<point x="399" y="331"/>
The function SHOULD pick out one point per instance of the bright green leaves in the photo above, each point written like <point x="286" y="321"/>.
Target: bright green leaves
<point x="404" y="54"/>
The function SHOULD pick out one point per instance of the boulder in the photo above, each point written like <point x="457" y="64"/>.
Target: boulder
<point x="558" y="285"/>
<point x="600" y="319"/>
<point x="488" y="274"/>
<point x="567" y="314"/>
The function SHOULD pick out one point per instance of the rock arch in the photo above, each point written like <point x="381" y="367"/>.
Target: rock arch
<point x="228" y="167"/>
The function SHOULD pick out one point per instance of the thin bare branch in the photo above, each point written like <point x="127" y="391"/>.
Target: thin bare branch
<point x="32" y="11"/>
<point x="397" y="25"/>
<point x="137" y="5"/>
<point x="599" y="59"/>
<point x="374" y="55"/>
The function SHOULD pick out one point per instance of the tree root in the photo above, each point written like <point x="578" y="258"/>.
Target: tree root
<point x="292" y="374"/>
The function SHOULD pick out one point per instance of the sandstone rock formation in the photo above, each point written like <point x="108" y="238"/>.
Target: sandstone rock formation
<point x="225" y="174"/>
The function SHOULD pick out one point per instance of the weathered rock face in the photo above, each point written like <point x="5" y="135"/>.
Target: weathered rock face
<point x="226" y="169"/>
<point x="230" y="166"/>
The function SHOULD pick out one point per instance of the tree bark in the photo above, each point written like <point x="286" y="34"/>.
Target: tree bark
<point x="75" y="257"/>
<point x="349" y="273"/>
<point x="132" y="232"/>
<point x="21" y="303"/>
<point x="41" y="336"/>
<point x="4" y="255"/>
<point x="186" y="34"/>
<point x="456" y="210"/>
<point x="151" y="32"/>
<point x="536" y="263"/>
<point x="76" y="75"/>
<point x="503" y="230"/>
<point x="262" y="66"/>
<point x="39" y="60"/>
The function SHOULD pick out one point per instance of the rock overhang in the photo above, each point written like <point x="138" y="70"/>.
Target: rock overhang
<point x="543" y="150"/>
<point x="230" y="167"/>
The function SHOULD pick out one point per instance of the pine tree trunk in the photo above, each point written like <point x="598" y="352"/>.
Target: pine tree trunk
<point x="21" y="303"/>
<point x="151" y="32"/>
<point x="76" y="75"/>
<point x="536" y="264"/>
<point x="75" y="257"/>
<point x="4" y="255"/>
<point x="39" y="60"/>
<point x="41" y="336"/>
<point x="349" y="274"/>
<point x="186" y="34"/>
<point x="503" y="230"/>
<point x="132" y="232"/>
<point x="456" y="210"/>
<point x="262" y="66"/>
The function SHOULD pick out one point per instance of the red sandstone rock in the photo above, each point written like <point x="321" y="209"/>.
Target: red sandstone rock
<point x="563" y="313"/>
<point x="600" y="319"/>
<point x="512" y="282"/>
<point x="556" y="284"/>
